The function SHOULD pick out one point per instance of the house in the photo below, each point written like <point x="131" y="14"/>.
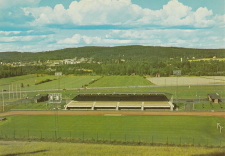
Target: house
<point x="214" y="97"/>
<point x="40" y="98"/>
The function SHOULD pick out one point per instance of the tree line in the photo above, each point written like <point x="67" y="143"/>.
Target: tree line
<point x="200" y="68"/>
<point x="123" y="60"/>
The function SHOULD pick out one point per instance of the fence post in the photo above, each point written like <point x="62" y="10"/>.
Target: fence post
<point x="125" y="137"/>
<point x="14" y="133"/>
<point x="220" y="143"/>
<point x="193" y="141"/>
<point x="70" y="136"/>
<point x="180" y="141"/>
<point x="110" y="137"/>
<point x="55" y="135"/>
<point x="167" y="141"/>
<point x="41" y="135"/>
<point x="28" y="134"/>
<point x="139" y="138"/>
<point x="152" y="139"/>
<point x="83" y="136"/>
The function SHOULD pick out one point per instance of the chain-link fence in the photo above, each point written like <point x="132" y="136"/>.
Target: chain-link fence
<point x="120" y="138"/>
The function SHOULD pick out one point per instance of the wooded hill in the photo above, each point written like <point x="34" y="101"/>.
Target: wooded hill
<point x="121" y="60"/>
<point x="103" y="54"/>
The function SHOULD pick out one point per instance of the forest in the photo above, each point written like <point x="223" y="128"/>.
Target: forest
<point x="121" y="60"/>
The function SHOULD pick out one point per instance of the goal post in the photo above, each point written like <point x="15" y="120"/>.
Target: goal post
<point x="219" y="127"/>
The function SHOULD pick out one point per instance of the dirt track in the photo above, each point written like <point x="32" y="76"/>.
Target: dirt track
<point x="222" y="114"/>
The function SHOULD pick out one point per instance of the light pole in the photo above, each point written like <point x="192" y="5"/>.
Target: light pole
<point x="58" y="74"/>
<point x="3" y="102"/>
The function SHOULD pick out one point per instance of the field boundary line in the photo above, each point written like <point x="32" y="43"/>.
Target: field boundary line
<point x="113" y="115"/>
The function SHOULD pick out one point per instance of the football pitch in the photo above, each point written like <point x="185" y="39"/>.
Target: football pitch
<point x="189" y="130"/>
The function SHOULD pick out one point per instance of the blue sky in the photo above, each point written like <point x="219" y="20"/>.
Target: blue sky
<point x="42" y="25"/>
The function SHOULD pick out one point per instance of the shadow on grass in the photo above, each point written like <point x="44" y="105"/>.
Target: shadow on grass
<point x="212" y="154"/>
<point x="25" y="153"/>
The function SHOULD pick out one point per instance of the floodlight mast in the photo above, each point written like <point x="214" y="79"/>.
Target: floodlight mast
<point x="58" y="74"/>
<point x="177" y="73"/>
<point x="3" y="102"/>
<point x="55" y="98"/>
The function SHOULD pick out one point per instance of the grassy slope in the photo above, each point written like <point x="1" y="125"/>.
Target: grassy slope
<point x="129" y="128"/>
<point x="58" y="149"/>
<point x="64" y="82"/>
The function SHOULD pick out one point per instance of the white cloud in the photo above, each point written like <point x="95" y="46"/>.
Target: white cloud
<point x="157" y="37"/>
<point x="220" y="19"/>
<point x="22" y="38"/>
<point x="9" y="32"/>
<point x="86" y="12"/>
<point x="172" y="25"/>
<point x="78" y="39"/>
<point x="201" y="17"/>
<point x="120" y="12"/>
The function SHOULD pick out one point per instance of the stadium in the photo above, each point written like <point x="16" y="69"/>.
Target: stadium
<point x="122" y="101"/>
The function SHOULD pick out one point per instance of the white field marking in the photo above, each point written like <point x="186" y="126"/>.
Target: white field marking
<point x="112" y="114"/>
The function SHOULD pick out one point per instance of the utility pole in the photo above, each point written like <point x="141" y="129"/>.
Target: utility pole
<point x="3" y="102"/>
<point x="12" y="91"/>
<point x="16" y="92"/>
<point x="9" y="93"/>
<point x="20" y="92"/>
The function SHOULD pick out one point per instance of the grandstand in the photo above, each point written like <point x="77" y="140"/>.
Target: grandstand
<point x="122" y="101"/>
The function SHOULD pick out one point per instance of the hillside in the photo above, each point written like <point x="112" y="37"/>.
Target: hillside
<point x="104" y="53"/>
<point x="122" y="60"/>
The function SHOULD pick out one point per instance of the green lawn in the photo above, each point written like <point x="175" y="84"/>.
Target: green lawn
<point x="210" y="106"/>
<point x="178" y="92"/>
<point x="121" y="81"/>
<point x="33" y="106"/>
<point x="157" y="129"/>
<point x="8" y="148"/>
<point x="133" y="84"/>
<point x="28" y="81"/>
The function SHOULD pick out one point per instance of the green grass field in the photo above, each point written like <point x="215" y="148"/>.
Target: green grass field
<point x="94" y="84"/>
<point x="33" y="106"/>
<point x="121" y="81"/>
<point x="210" y="106"/>
<point x="70" y="81"/>
<point x="178" y="92"/>
<point x="8" y="148"/>
<point x="158" y="129"/>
